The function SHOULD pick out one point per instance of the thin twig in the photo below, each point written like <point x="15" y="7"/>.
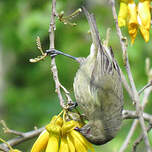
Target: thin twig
<point x="129" y="135"/>
<point x="145" y="87"/>
<point x="139" y="139"/>
<point x="53" y="63"/>
<point x="10" y="131"/>
<point x="25" y="136"/>
<point x="67" y="94"/>
<point x="127" y="66"/>
<point x="106" y="41"/>
<point x="126" y="85"/>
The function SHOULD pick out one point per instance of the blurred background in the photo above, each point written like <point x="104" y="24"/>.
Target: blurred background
<point x="27" y="93"/>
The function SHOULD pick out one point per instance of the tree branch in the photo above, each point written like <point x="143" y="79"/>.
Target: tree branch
<point x="138" y="140"/>
<point x="25" y="136"/>
<point x="128" y="114"/>
<point x="10" y="131"/>
<point x="126" y="85"/>
<point x="54" y="70"/>
<point x="145" y="87"/>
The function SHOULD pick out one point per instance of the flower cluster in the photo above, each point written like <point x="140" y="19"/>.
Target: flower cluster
<point x="135" y="16"/>
<point x="60" y="136"/>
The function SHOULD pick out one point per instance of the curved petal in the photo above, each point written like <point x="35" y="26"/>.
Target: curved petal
<point x="123" y="13"/>
<point x="144" y="18"/>
<point x="53" y="143"/>
<point x="132" y="20"/>
<point x="41" y="143"/>
<point x="64" y="145"/>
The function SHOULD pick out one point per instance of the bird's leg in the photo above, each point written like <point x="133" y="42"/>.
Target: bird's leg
<point x="83" y="131"/>
<point x="72" y="105"/>
<point x="54" y="52"/>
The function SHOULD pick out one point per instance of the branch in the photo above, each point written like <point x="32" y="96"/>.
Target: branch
<point x="138" y="140"/>
<point x="145" y="87"/>
<point x="54" y="70"/>
<point x="134" y="90"/>
<point x="130" y="133"/>
<point x="53" y="63"/>
<point x="10" y="131"/>
<point x="127" y="114"/>
<point x="126" y="85"/>
<point x="25" y="136"/>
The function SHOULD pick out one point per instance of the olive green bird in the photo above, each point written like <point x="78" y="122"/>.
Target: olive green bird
<point x="98" y="90"/>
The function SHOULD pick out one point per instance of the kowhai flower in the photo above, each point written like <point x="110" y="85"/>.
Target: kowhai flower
<point x="132" y="20"/>
<point x="123" y="13"/>
<point x="144" y="18"/>
<point x="135" y="16"/>
<point x="60" y="136"/>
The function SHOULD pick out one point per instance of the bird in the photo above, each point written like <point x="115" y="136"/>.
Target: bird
<point x="98" y="90"/>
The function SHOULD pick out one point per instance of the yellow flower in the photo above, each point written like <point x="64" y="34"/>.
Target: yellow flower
<point x="80" y="142"/>
<point x="72" y="138"/>
<point x="48" y="136"/>
<point x="123" y="13"/>
<point x="135" y="16"/>
<point x="60" y="136"/>
<point x="64" y="147"/>
<point x="144" y="18"/>
<point x="132" y="20"/>
<point x="54" y="136"/>
<point x="41" y="143"/>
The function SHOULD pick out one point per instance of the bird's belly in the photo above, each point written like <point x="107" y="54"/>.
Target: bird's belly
<point x="83" y="96"/>
<point x="82" y="88"/>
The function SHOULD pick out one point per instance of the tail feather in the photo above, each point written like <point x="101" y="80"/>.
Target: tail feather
<point x="93" y="28"/>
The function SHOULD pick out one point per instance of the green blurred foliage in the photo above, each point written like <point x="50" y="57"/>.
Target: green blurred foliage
<point x="29" y="98"/>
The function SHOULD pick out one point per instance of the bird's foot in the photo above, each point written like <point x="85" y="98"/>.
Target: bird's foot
<point x="72" y="105"/>
<point x="53" y="53"/>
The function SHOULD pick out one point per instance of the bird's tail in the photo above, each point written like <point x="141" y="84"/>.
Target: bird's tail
<point x="105" y="56"/>
<point x="93" y="27"/>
